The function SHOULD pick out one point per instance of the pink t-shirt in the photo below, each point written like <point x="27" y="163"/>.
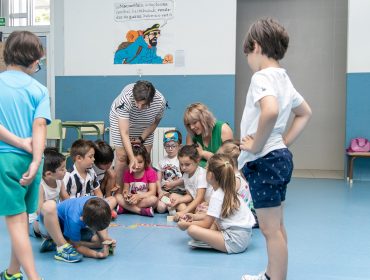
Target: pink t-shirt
<point x="140" y="184"/>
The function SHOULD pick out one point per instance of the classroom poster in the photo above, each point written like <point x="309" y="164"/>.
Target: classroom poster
<point x="142" y="25"/>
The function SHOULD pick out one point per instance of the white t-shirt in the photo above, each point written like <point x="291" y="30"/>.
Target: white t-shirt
<point x="51" y="193"/>
<point x="275" y="82"/>
<point x="197" y="181"/>
<point x="170" y="169"/>
<point x="242" y="217"/>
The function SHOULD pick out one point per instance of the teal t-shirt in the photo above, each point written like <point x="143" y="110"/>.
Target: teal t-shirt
<point x="214" y="144"/>
<point x="22" y="100"/>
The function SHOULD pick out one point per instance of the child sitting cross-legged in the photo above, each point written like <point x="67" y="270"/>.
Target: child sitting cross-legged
<point x="169" y="174"/>
<point x="139" y="187"/>
<point x="52" y="186"/>
<point x="76" y="227"/>
<point x="196" y="186"/>
<point x="233" y="218"/>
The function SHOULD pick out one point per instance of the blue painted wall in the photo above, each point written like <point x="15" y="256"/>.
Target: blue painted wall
<point x="90" y="97"/>
<point x="358" y="117"/>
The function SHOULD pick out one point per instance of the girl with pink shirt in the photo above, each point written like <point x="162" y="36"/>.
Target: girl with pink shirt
<point x="139" y="187"/>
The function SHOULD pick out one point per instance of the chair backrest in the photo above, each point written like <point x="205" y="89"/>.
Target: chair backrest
<point x="56" y="134"/>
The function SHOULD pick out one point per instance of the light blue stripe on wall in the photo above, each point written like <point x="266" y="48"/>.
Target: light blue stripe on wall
<point x="358" y="116"/>
<point x="90" y="97"/>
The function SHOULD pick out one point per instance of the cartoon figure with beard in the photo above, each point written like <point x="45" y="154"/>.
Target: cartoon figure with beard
<point x="141" y="48"/>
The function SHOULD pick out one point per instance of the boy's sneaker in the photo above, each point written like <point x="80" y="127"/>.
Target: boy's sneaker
<point x="147" y="212"/>
<point x="68" y="254"/>
<point x="17" y="276"/>
<point x="260" y="276"/>
<point x="47" y="245"/>
<point x="199" y="244"/>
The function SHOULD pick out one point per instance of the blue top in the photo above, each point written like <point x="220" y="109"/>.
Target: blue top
<point x="22" y="100"/>
<point x="147" y="55"/>
<point x="70" y="214"/>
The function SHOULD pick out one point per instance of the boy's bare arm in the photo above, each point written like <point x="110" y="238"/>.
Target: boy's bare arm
<point x="303" y="114"/>
<point x="63" y="195"/>
<point x="269" y="114"/>
<point x="38" y="146"/>
<point x="13" y="140"/>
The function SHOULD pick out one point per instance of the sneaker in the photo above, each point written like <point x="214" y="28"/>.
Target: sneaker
<point x="199" y="244"/>
<point x="68" y="254"/>
<point x="17" y="276"/>
<point x="147" y="212"/>
<point x="47" y="245"/>
<point x="260" y="276"/>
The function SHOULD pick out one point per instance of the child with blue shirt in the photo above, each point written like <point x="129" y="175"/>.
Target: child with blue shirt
<point x="264" y="159"/>
<point x="24" y="113"/>
<point x="77" y="226"/>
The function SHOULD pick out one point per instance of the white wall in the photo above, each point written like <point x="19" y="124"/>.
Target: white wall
<point x="358" y="59"/>
<point x="205" y="30"/>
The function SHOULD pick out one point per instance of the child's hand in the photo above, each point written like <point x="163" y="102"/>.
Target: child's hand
<point x="188" y="217"/>
<point x="174" y="201"/>
<point x="115" y="188"/>
<point x="178" y="216"/>
<point x="135" y="199"/>
<point x="167" y="185"/>
<point x="30" y="174"/>
<point x="26" y="144"/>
<point x="161" y="194"/>
<point x="183" y="225"/>
<point x="200" y="150"/>
<point x="247" y="143"/>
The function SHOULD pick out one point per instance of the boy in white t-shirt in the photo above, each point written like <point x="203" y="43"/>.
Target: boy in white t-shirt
<point x="51" y="186"/>
<point x="264" y="159"/>
<point x="169" y="174"/>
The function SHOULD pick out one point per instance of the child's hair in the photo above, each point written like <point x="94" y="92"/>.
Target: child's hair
<point x="22" y="48"/>
<point x="96" y="213"/>
<point x="81" y="147"/>
<point x="140" y="150"/>
<point x="189" y="151"/>
<point x="172" y="135"/>
<point x="230" y="147"/>
<point x="222" y="168"/>
<point x="270" y="35"/>
<point x="199" y="112"/>
<point x="52" y="160"/>
<point x="103" y="153"/>
<point x="143" y="90"/>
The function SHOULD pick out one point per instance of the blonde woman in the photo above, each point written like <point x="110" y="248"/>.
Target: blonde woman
<point x="204" y="130"/>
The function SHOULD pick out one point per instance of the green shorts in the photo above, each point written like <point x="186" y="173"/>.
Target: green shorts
<point x="15" y="198"/>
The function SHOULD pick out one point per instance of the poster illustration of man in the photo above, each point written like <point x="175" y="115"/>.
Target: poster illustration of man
<point x="141" y="48"/>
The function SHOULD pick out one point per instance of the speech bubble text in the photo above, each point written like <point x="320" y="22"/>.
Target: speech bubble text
<point x="151" y="10"/>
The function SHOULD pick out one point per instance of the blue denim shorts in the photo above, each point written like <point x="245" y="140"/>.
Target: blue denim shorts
<point x="268" y="178"/>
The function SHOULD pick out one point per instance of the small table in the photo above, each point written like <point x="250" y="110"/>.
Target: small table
<point x="86" y="128"/>
<point x="351" y="156"/>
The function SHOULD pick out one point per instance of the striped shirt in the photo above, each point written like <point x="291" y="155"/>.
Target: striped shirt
<point x="77" y="186"/>
<point x="124" y="107"/>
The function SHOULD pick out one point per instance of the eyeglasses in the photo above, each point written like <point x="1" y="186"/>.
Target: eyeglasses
<point x="38" y="68"/>
<point x="170" y="147"/>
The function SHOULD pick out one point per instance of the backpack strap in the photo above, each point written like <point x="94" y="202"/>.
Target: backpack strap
<point x="139" y="49"/>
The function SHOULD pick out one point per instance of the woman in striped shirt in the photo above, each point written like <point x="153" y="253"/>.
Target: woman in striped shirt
<point x="134" y="116"/>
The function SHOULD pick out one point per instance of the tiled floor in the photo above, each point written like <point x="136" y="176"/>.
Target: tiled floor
<point x="328" y="232"/>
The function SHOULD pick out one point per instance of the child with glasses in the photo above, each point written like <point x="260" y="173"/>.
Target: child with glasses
<point x="24" y="113"/>
<point x="169" y="174"/>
